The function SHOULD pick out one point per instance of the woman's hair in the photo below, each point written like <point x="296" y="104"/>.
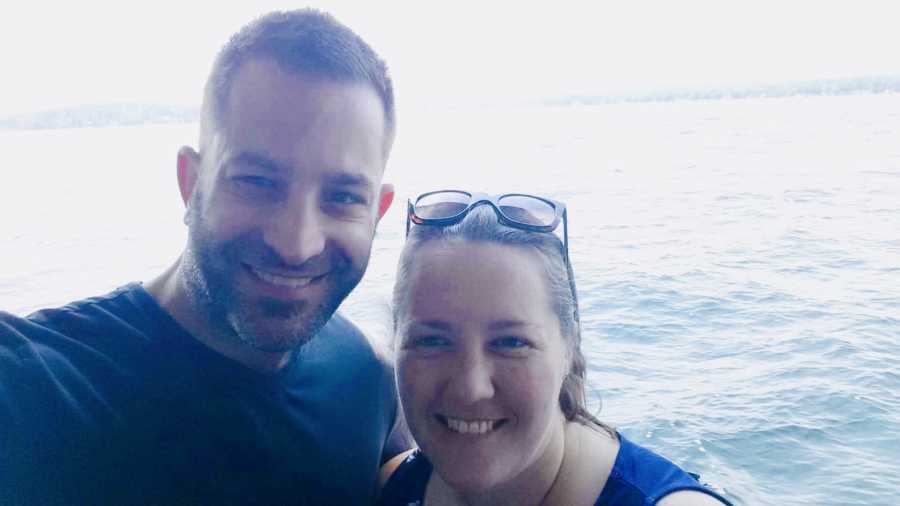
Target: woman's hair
<point x="481" y="225"/>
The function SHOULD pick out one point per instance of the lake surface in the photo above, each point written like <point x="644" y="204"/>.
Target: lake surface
<point x="738" y="263"/>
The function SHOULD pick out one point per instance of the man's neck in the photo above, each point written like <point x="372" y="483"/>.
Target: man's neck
<point x="169" y="292"/>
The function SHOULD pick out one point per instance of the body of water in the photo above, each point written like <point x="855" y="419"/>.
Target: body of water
<point x="738" y="263"/>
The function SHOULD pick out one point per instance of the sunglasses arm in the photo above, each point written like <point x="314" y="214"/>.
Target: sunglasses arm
<point x="566" y="233"/>
<point x="409" y="210"/>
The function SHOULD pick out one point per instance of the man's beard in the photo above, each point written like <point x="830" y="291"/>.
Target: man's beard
<point x="211" y="270"/>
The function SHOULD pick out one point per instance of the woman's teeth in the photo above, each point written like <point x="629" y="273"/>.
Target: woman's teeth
<point x="288" y="281"/>
<point x="470" y="427"/>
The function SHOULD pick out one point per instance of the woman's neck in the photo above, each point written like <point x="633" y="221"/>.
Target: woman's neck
<point x="532" y="487"/>
<point x="574" y="474"/>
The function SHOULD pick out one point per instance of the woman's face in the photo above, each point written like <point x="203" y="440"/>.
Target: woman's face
<point x="481" y="362"/>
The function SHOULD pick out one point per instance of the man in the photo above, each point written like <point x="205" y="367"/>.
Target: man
<point x="229" y="379"/>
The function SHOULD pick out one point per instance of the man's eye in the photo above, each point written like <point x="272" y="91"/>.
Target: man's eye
<point x="254" y="182"/>
<point x="346" y="198"/>
<point x="256" y="189"/>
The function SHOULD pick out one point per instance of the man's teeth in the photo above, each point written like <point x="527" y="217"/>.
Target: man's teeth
<point x="289" y="281"/>
<point x="470" y="427"/>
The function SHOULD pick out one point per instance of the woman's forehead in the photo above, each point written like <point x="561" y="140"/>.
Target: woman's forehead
<point x="477" y="279"/>
<point x="475" y="262"/>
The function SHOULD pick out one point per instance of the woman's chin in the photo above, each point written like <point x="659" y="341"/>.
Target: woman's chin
<point x="472" y="479"/>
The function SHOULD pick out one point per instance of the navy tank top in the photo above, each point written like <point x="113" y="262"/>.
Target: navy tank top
<point x="639" y="477"/>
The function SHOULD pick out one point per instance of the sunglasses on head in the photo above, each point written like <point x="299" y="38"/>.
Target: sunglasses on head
<point x="518" y="210"/>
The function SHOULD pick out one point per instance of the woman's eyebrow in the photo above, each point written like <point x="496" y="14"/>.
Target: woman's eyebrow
<point x="431" y="324"/>
<point x="508" y="325"/>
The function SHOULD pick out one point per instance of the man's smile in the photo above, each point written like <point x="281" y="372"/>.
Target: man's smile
<point x="285" y="279"/>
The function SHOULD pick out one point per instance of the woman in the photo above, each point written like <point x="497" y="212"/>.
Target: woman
<point x="490" y="370"/>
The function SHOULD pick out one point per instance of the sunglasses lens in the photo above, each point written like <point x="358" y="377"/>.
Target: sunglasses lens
<point x="528" y="210"/>
<point x="442" y="205"/>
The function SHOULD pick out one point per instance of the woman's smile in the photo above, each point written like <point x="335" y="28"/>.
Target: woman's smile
<point x="474" y="427"/>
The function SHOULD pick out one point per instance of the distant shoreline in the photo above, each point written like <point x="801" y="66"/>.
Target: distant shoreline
<point x="133" y="114"/>
<point x="872" y="85"/>
<point x="103" y="115"/>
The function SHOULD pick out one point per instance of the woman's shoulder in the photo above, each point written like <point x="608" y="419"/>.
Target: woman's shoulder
<point x="403" y="479"/>
<point x="642" y="476"/>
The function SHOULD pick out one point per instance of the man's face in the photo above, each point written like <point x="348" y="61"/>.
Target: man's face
<point x="282" y="215"/>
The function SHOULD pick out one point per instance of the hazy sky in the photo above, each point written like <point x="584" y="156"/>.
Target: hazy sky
<point x="65" y="53"/>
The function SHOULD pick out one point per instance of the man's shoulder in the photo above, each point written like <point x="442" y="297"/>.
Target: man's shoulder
<point x="340" y="324"/>
<point x="66" y="365"/>
<point x="343" y="335"/>
<point x="86" y="326"/>
<point x="342" y="355"/>
<point x="119" y="302"/>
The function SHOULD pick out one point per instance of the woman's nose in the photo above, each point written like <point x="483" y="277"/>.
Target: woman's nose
<point x="472" y="379"/>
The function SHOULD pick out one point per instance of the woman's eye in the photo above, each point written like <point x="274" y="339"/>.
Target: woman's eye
<point x="426" y="344"/>
<point x="430" y="341"/>
<point x="510" y="343"/>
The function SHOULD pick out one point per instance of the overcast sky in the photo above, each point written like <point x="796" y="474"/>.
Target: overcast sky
<point x="66" y="53"/>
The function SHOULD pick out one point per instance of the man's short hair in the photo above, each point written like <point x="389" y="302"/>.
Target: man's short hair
<point x="304" y="41"/>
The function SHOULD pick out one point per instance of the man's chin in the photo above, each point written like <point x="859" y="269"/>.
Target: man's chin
<point x="274" y="325"/>
<point x="276" y="347"/>
<point x="275" y="338"/>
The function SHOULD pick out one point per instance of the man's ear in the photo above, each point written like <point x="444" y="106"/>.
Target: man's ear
<point x="385" y="197"/>
<point x="188" y="172"/>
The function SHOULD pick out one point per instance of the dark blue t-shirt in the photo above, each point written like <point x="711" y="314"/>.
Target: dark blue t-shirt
<point x="109" y="401"/>
<point x="639" y="477"/>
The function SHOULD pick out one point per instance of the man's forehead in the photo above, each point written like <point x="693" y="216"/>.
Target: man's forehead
<point x="261" y="90"/>
<point x="262" y="82"/>
<point x="282" y="120"/>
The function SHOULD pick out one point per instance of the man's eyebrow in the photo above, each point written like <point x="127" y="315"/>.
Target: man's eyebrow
<point x="347" y="178"/>
<point x="257" y="160"/>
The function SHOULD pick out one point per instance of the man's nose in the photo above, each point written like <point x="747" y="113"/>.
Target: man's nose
<point x="473" y="378"/>
<point x="296" y="231"/>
